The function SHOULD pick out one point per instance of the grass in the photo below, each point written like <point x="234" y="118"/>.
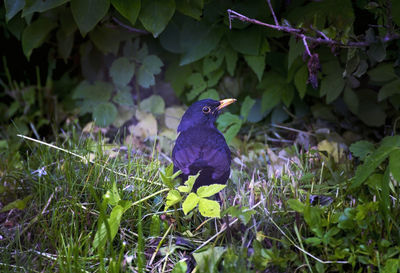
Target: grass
<point x="100" y="208"/>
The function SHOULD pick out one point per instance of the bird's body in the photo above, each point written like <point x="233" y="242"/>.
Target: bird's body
<point x="200" y="146"/>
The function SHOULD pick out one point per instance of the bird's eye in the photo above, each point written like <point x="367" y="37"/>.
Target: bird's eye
<point x="206" y="109"/>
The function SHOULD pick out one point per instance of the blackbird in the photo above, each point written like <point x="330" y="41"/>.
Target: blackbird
<point x="200" y="146"/>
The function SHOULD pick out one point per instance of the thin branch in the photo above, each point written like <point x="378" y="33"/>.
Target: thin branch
<point x="299" y="32"/>
<point x="273" y="13"/>
<point x="306" y="45"/>
<point x="131" y="29"/>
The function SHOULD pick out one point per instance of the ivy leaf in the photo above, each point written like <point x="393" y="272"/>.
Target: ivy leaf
<point x="154" y="104"/>
<point x="87" y="13"/>
<point x="35" y="34"/>
<point x="41" y="6"/>
<point x="151" y="66"/>
<point x="173" y="198"/>
<point x="248" y="103"/>
<point x="389" y="90"/>
<point x="104" y="114"/>
<point x="230" y="125"/>
<point x="210" y="190"/>
<point x="257" y="64"/>
<point x="332" y="86"/>
<point x="190" y="203"/>
<point x="300" y="81"/>
<point x="155" y="15"/>
<point x="129" y="9"/>
<point x="122" y="71"/>
<point x="13" y="7"/>
<point x="209" y="208"/>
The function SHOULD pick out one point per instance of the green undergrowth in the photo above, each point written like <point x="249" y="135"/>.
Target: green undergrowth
<point x="96" y="207"/>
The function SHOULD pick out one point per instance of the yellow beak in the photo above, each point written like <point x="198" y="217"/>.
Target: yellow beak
<point x="225" y="103"/>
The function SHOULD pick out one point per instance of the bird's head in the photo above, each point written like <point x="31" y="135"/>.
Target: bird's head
<point x="203" y="113"/>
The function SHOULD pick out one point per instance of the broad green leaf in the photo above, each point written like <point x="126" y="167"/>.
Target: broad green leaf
<point x="104" y="114"/>
<point x="246" y="41"/>
<point x="278" y="115"/>
<point x="332" y="86"/>
<point x="351" y="99"/>
<point x="369" y="111"/>
<point x="377" y="51"/>
<point x="389" y="90"/>
<point x="128" y="8"/>
<point x="257" y="64"/>
<point x="155" y="226"/>
<point x="370" y="164"/>
<point x="396" y="18"/>
<point x="180" y="267"/>
<point x="87" y="13"/>
<point x="35" y="34"/>
<point x="300" y="81"/>
<point x="212" y="62"/>
<point x="17" y="204"/>
<point x="112" y="195"/>
<point x="314" y="241"/>
<point x="155" y="15"/>
<point x="394" y="164"/>
<point x="114" y="221"/>
<point x="210" y="190"/>
<point x="230" y="125"/>
<point x="207" y="261"/>
<point x="361" y="149"/>
<point x="214" y="77"/>
<point x="124" y="97"/>
<point x="205" y="41"/>
<point x="196" y="81"/>
<point x="209" y="94"/>
<point x="231" y="58"/>
<point x="192" y="8"/>
<point x="151" y="66"/>
<point x="154" y="104"/>
<point x="65" y="43"/>
<point x="177" y="75"/>
<point x="247" y="104"/>
<point x="97" y="92"/>
<point x="13" y="7"/>
<point x="16" y="26"/>
<point x="256" y="114"/>
<point x="271" y="97"/>
<point x="173" y="198"/>
<point x="392" y="265"/>
<point x="122" y="71"/>
<point x="312" y="216"/>
<point x="243" y="213"/>
<point x="287" y="94"/>
<point x="106" y="39"/>
<point x="361" y="69"/>
<point x="190" y="203"/>
<point x="209" y="208"/>
<point x="296" y="49"/>
<point x="190" y="181"/>
<point x="41" y="6"/>
<point x="383" y="72"/>
<point x="296" y="205"/>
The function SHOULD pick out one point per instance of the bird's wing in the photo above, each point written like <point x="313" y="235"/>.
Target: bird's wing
<point x="200" y="149"/>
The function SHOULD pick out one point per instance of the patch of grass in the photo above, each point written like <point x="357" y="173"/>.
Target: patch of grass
<point x="96" y="207"/>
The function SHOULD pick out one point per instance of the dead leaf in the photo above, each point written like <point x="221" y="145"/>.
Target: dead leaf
<point x="173" y="116"/>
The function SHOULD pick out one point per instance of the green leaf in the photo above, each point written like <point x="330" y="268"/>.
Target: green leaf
<point x="212" y="62"/>
<point x="243" y="213"/>
<point x="104" y="114"/>
<point x="230" y="125"/>
<point x="173" y="198"/>
<point x="190" y="181"/>
<point x="377" y="51"/>
<point x="35" y="34"/>
<point x="155" y="228"/>
<point x="192" y="8"/>
<point x="383" y="72"/>
<point x="177" y="75"/>
<point x="332" y="86"/>
<point x="13" y="7"/>
<point x="296" y="205"/>
<point x="17" y="204"/>
<point x="300" y="81"/>
<point x="151" y="66"/>
<point x="106" y="39"/>
<point x="190" y="203"/>
<point x="128" y="8"/>
<point x="155" y="15"/>
<point x="114" y="221"/>
<point x="87" y="13"/>
<point x="248" y="103"/>
<point x="389" y="90"/>
<point x="113" y="195"/>
<point x="196" y="81"/>
<point x="209" y="208"/>
<point x="124" y="97"/>
<point x="41" y="6"/>
<point x="271" y="97"/>
<point x="369" y="111"/>
<point x="154" y="104"/>
<point x="122" y="71"/>
<point x="207" y="261"/>
<point x="231" y="58"/>
<point x="296" y="49"/>
<point x="257" y="64"/>
<point x="362" y="149"/>
<point x="246" y="41"/>
<point x="209" y="94"/>
<point x="180" y="267"/>
<point x="97" y="92"/>
<point x="394" y="164"/>
<point x="210" y="190"/>
<point x="278" y="115"/>
<point x="392" y="265"/>
<point x="65" y="43"/>
<point x="287" y="94"/>
<point x="351" y="99"/>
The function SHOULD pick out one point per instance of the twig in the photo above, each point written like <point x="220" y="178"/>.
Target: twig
<point x="306" y="45"/>
<point x="131" y="29"/>
<point x="273" y="13"/>
<point x="299" y="32"/>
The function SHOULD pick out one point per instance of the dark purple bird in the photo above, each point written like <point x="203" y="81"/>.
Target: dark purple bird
<point x="200" y="146"/>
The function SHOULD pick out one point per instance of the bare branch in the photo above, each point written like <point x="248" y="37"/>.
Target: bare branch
<point x="273" y="13"/>
<point x="131" y="29"/>
<point x="306" y="45"/>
